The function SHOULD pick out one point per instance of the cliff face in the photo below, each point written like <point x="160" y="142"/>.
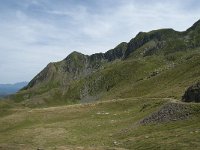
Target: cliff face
<point x="159" y="36"/>
<point x="82" y="77"/>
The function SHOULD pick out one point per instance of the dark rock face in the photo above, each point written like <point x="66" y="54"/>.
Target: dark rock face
<point x="140" y="39"/>
<point x="192" y="94"/>
<point x="144" y="37"/>
<point x="116" y="53"/>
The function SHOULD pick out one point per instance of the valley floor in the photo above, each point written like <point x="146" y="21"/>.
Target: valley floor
<point x="114" y="124"/>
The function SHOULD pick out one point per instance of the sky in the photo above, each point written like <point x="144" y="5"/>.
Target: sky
<point x="34" y="33"/>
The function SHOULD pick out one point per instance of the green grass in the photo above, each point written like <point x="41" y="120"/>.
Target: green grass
<point x="102" y="125"/>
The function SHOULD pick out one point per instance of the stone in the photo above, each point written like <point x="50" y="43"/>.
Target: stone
<point x="192" y="94"/>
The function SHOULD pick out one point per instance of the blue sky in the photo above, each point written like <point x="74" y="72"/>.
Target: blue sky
<point x="36" y="32"/>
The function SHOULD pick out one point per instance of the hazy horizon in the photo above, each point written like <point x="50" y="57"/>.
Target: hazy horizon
<point x="36" y="32"/>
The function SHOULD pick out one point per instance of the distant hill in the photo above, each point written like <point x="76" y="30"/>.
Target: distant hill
<point x="6" y="89"/>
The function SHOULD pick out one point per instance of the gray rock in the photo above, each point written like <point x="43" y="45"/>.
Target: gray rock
<point x="168" y="112"/>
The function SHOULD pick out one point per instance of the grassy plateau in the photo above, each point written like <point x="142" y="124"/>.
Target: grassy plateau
<point x="112" y="124"/>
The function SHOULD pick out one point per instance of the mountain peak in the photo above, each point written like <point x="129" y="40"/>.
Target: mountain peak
<point x="122" y="44"/>
<point x="73" y="55"/>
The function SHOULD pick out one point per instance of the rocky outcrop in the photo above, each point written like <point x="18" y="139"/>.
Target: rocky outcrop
<point x="169" y="112"/>
<point x="192" y="94"/>
<point x="117" y="53"/>
<point x="141" y="38"/>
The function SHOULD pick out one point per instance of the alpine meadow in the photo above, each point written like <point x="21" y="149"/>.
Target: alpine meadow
<point x="142" y="94"/>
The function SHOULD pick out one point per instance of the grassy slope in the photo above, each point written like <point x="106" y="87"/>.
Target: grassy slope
<point x="169" y="82"/>
<point x="103" y="125"/>
<point x="130" y="78"/>
<point x="134" y="77"/>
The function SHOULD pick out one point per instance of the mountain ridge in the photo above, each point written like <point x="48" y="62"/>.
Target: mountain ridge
<point x="81" y="77"/>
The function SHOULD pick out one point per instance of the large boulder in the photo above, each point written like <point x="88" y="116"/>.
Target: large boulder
<point x="192" y="94"/>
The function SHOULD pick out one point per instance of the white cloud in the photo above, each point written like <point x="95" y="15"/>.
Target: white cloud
<point x="39" y="32"/>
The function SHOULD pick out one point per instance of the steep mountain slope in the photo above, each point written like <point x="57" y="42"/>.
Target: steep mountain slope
<point x="160" y="63"/>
